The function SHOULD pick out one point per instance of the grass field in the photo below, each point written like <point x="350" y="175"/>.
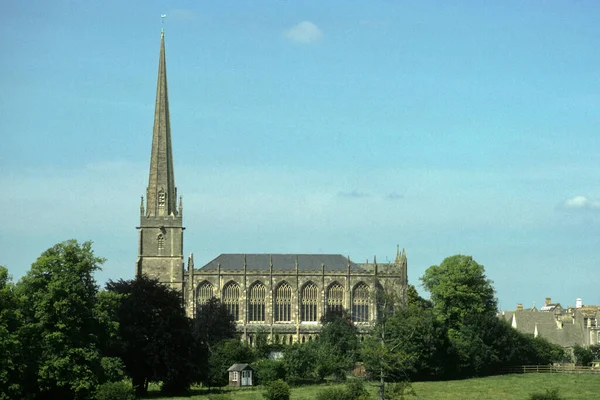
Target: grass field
<point x="506" y="387"/>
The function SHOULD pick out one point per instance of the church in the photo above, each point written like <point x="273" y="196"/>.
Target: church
<point x="281" y="295"/>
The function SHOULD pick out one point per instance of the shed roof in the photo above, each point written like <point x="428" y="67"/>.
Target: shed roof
<point x="239" y="367"/>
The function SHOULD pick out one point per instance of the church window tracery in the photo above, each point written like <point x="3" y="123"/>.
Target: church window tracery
<point x="360" y="303"/>
<point x="204" y="292"/>
<point x="283" y="303"/>
<point x="256" y="303"/>
<point x="309" y="303"/>
<point x="335" y="298"/>
<point x="161" y="241"/>
<point x="231" y="299"/>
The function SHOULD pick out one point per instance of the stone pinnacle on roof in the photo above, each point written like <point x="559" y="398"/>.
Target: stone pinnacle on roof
<point x="161" y="194"/>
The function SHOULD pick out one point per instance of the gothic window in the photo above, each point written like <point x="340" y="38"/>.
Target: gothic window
<point x="161" y="199"/>
<point x="204" y="292"/>
<point x="231" y="299"/>
<point x="256" y="303"/>
<point x="335" y="298"/>
<point x="360" y="303"/>
<point x="283" y="303"/>
<point x="161" y="241"/>
<point x="309" y="303"/>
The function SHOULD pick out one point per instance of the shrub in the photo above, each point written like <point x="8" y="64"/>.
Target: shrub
<point x="115" y="391"/>
<point x="551" y="394"/>
<point x="354" y="390"/>
<point x="333" y="394"/>
<point x="277" y="390"/>
<point x="399" y="390"/>
<point x="267" y="371"/>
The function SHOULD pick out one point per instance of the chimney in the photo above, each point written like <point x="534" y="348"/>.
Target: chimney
<point x="578" y="302"/>
<point x="548" y="300"/>
<point x="519" y="307"/>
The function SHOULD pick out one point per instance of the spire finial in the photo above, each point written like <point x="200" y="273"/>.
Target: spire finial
<point x="162" y="17"/>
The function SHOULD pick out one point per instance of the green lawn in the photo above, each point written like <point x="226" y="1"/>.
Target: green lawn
<point x="507" y="387"/>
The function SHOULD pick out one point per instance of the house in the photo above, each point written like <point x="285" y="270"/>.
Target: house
<point x="240" y="375"/>
<point x="566" y="327"/>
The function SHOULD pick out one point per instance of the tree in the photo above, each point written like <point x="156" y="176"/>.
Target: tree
<point x="59" y="330"/>
<point x="156" y="340"/>
<point x="300" y="360"/>
<point x="459" y="288"/>
<point x="214" y="323"/>
<point x="337" y="345"/>
<point x="463" y="301"/>
<point x="407" y="343"/>
<point x="583" y="356"/>
<point x="224" y="354"/>
<point x="11" y="364"/>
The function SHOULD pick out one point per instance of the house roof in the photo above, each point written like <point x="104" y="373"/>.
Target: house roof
<point x="526" y="321"/>
<point x="282" y="262"/>
<point x="239" y="367"/>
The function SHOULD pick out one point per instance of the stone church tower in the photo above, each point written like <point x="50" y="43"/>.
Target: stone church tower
<point x="284" y="296"/>
<point x="160" y="243"/>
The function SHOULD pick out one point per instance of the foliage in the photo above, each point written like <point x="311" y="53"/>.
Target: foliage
<point x="11" y="365"/>
<point x="266" y="371"/>
<point x="277" y="390"/>
<point x="550" y="394"/>
<point x="300" y="360"/>
<point x="583" y="356"/>
<point x="399" y="390"/>
<point x="214" y="323"/>
<point x="59" y="331"/>
<point x="463" y="301"/>
<point x="337" y="346"/>
<point x="459" y="288"/>
<point x="407" y="343"/>
<point x="414" y="299"/>
<point x="156" y="340"/>
<point x="223" y="356"/>
<point x="353" y="390"/>
<point x="115" y="391"/>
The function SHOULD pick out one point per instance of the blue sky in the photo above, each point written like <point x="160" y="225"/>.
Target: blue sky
<point x="337" y="127"/>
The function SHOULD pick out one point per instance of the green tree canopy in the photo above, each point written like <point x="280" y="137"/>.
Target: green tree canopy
<point x="59" y="332"/>
<point x="459" y="288"/>
<point x="11" y="365"/>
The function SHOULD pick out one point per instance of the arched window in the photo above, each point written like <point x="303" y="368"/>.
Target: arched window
<point x="161" y="241"/>
<point x="256" y="303"/>
<point x="309" y="302"/>
<point x="335" y="298"/>
<point x="360" y="303"/>
<point x="283" y="303"/>
<point x="231" y="299"/>
<point x="204" y="292"/>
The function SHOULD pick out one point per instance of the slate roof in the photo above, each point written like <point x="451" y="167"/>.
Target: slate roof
<point x="282" y="262"/>
<point x="239" y="367"/>
<point x="567" y="336"/>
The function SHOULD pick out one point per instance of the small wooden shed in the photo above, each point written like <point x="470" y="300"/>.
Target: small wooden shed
<point x="240" y="375"/>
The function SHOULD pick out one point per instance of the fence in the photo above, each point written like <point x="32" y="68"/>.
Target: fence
<point x="550" y="369"/>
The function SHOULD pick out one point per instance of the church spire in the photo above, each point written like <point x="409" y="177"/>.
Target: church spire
<point x="161" y="194"/>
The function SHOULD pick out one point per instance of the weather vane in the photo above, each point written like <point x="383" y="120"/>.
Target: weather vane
<point x="163" y="16"/>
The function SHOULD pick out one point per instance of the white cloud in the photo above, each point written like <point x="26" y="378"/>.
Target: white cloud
<point x="581" y="202"/>
<point x="304" y="32"/>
